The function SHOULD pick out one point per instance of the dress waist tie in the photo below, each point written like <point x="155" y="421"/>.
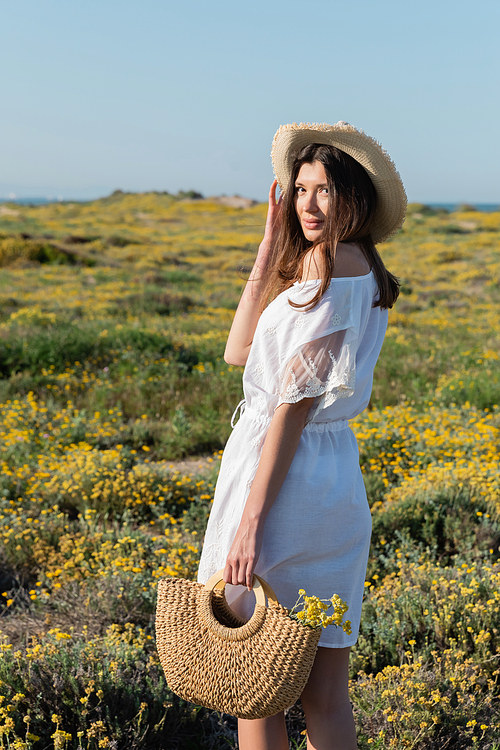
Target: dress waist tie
<point x="240" y="408"/>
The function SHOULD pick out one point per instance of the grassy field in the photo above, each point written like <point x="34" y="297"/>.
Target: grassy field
<point x="113" y="318"/>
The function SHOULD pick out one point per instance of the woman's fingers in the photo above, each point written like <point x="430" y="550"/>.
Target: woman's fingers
<point x="243" y="556"/>
<point x="232" y="573"/>
<point x="273" y="213"/>
<point x="249" y="577"/>
<point x="227" y="576"/>
<point x="272" y="193"/>
<point x="239" y="575"/>
<point x="275" y="203"/>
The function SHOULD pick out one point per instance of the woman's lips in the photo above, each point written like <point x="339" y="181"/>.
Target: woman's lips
<point x="309" y="224"/>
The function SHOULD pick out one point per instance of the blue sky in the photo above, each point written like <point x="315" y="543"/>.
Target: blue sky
<point x="162" y="95"/>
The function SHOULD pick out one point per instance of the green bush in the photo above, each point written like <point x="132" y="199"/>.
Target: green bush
<point x="78" y="691"/>
<point x="152" y="303"/>
<point x="67" y="342"/>
<point x="423" y="607"/>
<point x="449" y="521"/>
<point x="13" y="250"/>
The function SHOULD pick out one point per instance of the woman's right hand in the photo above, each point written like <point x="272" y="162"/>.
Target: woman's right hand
<point x="247" y="315"/>
<point x="273" y="221"/>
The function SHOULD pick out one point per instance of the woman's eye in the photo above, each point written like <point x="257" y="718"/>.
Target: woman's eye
<point x="324" y="191"/>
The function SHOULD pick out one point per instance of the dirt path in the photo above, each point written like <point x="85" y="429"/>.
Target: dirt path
<point x="192" y="464"/>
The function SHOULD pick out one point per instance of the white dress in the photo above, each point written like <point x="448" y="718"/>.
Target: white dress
<point x="317" y="533"/>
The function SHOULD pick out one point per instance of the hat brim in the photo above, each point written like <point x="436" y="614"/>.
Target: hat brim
<point x="391" y="196"/>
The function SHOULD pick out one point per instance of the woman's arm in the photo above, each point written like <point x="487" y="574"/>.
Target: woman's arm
<point x="248" y="313"/>
<point x="277" y="455"/>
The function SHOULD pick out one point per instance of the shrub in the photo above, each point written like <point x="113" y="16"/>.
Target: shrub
<point x="67" y="342"/>
<point x="446" y="700"/>
<point x="423" y="606"/>
<point x="152" y="303"/>
<point x="77" y="691"/>
<point x="13" y="250"/>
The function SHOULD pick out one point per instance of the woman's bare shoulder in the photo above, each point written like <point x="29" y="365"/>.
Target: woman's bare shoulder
<point x="350" y="261"/>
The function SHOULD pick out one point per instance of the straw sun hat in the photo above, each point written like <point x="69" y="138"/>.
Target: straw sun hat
<point x="391" y="196"/>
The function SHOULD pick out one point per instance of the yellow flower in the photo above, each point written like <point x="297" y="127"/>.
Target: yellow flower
<point x="312" y="613"/>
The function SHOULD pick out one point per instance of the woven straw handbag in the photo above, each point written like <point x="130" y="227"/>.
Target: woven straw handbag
<point x="213" y="658"/>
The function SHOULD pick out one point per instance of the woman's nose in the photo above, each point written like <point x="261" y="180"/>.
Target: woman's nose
<point x="311" y="204"/>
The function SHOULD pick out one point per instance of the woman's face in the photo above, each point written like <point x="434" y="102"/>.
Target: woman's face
<point x="311" y="199"/>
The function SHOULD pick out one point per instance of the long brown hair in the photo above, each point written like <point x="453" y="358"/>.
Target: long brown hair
<point x="352" y="202"/>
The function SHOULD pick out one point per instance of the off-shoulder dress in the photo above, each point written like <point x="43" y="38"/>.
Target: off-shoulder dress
<point x="317" y="533"/>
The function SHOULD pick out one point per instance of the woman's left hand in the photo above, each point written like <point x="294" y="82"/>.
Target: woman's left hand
<point x="279" y="448"/>
<point x="243" y="555"/>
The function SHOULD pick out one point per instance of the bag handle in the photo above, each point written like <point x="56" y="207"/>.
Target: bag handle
<point x="261" y="588"/>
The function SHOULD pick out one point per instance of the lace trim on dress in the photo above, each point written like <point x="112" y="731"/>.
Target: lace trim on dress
<point x="338" y="384"/>
<point x="345" y="389"/>
<point x="314" y="387"/>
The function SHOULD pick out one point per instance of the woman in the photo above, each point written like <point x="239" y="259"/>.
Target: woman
<point x="290" y="502"/>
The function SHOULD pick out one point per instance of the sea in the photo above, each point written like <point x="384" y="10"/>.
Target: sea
<point x="486" y="207"/>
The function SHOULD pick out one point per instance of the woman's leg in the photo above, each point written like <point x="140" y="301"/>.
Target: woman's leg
<point x="330" y="725"/>
<point x="263" y="734"/>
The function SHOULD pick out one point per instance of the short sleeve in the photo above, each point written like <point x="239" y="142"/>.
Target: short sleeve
<point x="319" y="356"/>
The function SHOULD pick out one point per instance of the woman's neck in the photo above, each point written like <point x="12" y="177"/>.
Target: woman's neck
<point x="349" y="261"/>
